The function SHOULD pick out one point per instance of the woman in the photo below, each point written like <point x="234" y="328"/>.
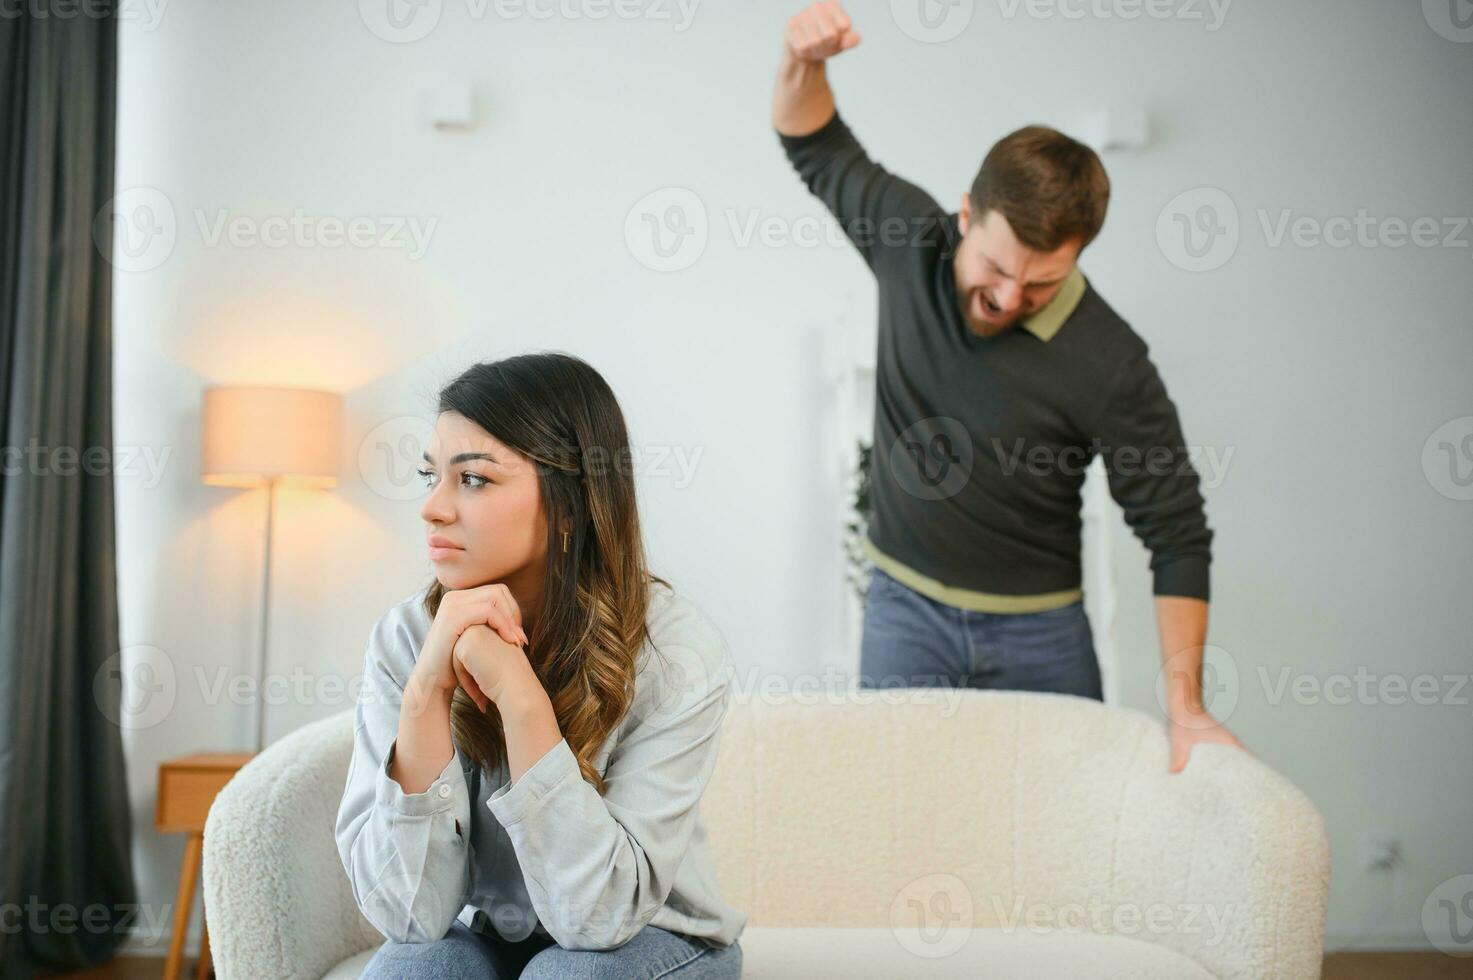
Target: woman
<point x="537" y="726"/>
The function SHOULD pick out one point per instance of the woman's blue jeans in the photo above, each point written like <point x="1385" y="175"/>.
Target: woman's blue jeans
<point x="911" y="640"/>
<point x="466" y="955"/>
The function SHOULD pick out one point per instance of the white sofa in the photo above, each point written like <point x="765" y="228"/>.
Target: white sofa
<point x="881" y="834"/>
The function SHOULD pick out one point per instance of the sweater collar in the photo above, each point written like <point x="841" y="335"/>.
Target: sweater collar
<point x="1047" y="321"/>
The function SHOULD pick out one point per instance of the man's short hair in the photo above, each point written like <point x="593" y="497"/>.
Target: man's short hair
<point x="1051" y="188"/>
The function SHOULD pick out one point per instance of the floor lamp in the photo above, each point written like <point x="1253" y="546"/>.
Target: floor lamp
<point x="269" y="437"/>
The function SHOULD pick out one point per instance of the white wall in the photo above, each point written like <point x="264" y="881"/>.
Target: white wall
<point x="1323" y="370"/>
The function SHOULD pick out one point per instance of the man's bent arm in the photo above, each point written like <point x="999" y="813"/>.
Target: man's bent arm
<point x="801" y="100"/>
<point x="1182" y="623"/>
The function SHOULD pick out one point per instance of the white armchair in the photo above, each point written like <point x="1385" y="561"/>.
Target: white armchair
<point x="881" y="834"/>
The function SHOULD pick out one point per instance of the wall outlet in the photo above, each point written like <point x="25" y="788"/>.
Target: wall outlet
<point x="1379" y="851"/>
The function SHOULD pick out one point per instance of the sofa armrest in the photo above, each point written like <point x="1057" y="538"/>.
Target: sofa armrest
<point x="1226" y="862"/>
<point x="1239" y="860"/>
<point x="280" y="904"/>
<point x="1288" y="882"/>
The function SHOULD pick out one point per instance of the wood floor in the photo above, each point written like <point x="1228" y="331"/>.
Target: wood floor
<point x="1338" y="966"/>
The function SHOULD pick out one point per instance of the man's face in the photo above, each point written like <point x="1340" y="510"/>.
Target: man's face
<point x="999" y="281"/>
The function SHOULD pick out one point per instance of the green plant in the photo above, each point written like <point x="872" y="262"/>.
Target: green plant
<point x="856" y="522"/>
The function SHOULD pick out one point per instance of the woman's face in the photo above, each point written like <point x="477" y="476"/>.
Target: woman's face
<point x="485" y="506"/>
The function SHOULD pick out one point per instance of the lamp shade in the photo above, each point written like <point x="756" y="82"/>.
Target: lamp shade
<point x="254" y="435"/>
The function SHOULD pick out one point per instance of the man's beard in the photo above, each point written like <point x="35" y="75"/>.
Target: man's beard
<point x="976" y="320"/>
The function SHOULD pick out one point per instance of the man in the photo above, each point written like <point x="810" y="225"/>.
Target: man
<point x="1001" y="374"/>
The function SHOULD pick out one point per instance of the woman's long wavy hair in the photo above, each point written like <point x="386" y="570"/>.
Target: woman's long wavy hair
<point x="559" y="412"/>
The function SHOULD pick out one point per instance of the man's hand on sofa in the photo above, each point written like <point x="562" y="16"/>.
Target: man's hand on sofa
<point x="1188" y="726"/>
<point x="1182" y="621"/>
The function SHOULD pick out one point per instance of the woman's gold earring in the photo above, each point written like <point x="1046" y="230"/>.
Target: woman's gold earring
<point x="565" y="541"/>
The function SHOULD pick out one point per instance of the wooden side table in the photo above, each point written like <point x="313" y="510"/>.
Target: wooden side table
<point x="187" y="787"/>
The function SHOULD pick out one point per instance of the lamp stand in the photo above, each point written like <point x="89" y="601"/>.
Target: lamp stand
<point x="265" y="619"/>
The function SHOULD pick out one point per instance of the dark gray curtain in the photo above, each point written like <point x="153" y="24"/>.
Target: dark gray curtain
<point x="66" y="880"/>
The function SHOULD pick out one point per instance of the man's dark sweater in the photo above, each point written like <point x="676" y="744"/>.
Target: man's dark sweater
<point x="982" y="493"/>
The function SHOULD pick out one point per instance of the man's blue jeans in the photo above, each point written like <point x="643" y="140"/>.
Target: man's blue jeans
<point x="911" y="640"/>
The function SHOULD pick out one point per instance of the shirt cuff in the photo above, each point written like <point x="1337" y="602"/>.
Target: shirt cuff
<point x="441" y="795"/>
<point x="1183" y="577"/>
<point x="835" y="124"/>
<point x="512" y="802"/>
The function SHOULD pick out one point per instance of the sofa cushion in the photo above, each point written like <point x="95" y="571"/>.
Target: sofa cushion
<point x="775" y="953"/>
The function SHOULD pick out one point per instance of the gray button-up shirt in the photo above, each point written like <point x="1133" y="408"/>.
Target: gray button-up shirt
<point x="547" y="853"/>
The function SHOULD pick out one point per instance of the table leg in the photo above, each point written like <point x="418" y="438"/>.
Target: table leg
<point x="184" y="904"/>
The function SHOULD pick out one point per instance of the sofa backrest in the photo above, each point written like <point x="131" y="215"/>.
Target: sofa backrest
<point x="865" y="809"/>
